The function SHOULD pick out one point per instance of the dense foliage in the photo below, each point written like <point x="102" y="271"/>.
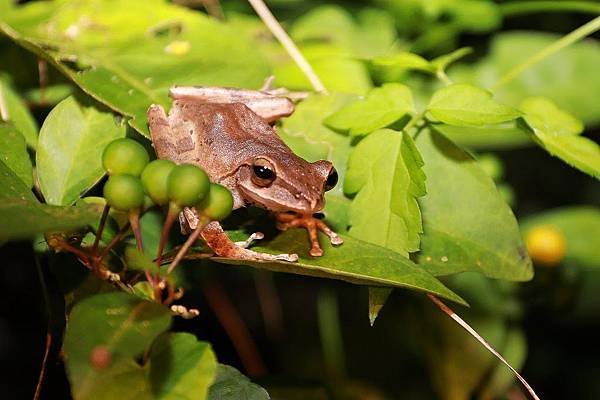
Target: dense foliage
<point x="443" y="124"/>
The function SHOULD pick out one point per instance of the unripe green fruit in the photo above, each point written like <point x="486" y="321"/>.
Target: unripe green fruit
<point x="187" y="185"/>
<point x="124" y="156"/>
<point x="124" y="192"/>
<point x="155" y="178"/>
<point x="217" y="204"/>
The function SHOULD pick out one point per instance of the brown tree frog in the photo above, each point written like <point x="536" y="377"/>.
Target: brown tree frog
<point x="227" y="132"/>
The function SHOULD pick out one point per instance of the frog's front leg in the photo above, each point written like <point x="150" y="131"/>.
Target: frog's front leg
<point x="216" y="238"/>
<point x="286" y="220"/>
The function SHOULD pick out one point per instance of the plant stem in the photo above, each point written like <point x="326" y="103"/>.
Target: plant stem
<point x="567" y="40"/>
<point x="481" y="340"/>
<point x="288" y="44"/>
<point x="528" y="7"/>
<point x="100" y="228"/>
<point x="134" y="220"/>
<point x="164" y="235"/>
<point x="188" y="243"/>
<point x="114" y="241"/>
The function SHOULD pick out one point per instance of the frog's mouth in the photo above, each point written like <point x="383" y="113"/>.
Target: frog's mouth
<point x="278" y="200"/>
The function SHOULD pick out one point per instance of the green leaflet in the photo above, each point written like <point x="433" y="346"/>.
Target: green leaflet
<point x="382" y="107"/>
<point x="13" y="153"/>
<point x="18" y="114"/>
<point x="69" y="156"/>
<point x="385" y="170"/>
<point x="557" y="132"/>
<point x="231" y="384"/>
<point x="467" y="225"/>
<point x="466" y="105"/>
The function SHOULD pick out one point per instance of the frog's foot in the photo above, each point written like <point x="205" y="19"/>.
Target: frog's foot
<point x="251" y="239"/>
<point x="220" y="243"/>
<point x="312" y="225"/>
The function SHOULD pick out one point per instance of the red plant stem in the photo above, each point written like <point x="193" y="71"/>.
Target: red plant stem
<point x="100" y="228"/>
<point x="114" y="241"/>
<point x="236" y="329"/>
<point x="134" y="220"/>
<point x="188" y="243"/>
<point x="40" y="382"/>
<point x="164" y="235"/>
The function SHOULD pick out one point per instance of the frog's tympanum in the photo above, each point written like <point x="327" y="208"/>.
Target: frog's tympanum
<point x="227" y="133"/>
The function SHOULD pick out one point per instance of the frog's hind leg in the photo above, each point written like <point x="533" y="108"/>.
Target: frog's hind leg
<point x="312" y="225"/>
<point x="220" y="243"/>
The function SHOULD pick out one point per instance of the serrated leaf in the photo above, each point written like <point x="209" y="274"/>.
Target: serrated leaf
<point x="181" y="367"/>
<point x="405" y="61"/>
<point x="14" y="110"/>
<point x="231" y="384"/>
<point x="13" y="153"/>
<point x="140" y="63"/>
<point x="355" y="261"/>
<point x="382" y="107"/>
<point x="69" y="156"/>
<point x="580" y="226"/>
<point x="507" y="135"/>
<point x="124" y="326"/>
<point x="466" y="105"/>
<point x="385" y="170"/>
<point x="557" y="132"/>
<point x="467" y="225"/>
<point x="308" y="137"/>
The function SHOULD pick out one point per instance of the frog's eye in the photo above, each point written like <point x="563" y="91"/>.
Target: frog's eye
<point x="332" y="179"/>
<point x="263" y="173"/>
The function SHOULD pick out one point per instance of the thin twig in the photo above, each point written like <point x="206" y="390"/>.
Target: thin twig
<point x="40" y="381"/>
<point x="100" y="228"/>
<point x="114" y="241"/>
<point x="288" y="44"/>
<point x="481" y="340"/>
<point x="164" y="235"/>
<point x="42" y="375"/>
<point x="134" y="220"/>
<point x="567" y="40"/>
<point x="186" y="246"/>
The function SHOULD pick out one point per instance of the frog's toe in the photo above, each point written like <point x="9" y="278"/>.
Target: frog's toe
<point x="251" y="239"/>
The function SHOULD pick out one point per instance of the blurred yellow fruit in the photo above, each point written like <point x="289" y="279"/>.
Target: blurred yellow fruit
<point x="546" y="245"/>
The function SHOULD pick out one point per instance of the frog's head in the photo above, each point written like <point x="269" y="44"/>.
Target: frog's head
<point x="281" y="181"/>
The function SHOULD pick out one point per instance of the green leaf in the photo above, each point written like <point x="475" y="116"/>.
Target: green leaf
<point x="467" y="225"/>
<point x="13" y="153"/>
<point x="138" y="261"/>
<point x="559" y="77"/>
<point x="385" y="170"/>
<point x="22" y="219"/>
<point x="507" y="135"/>
<point x="466" y="105"/>
<point x="441" y="63"/>
<point x="181" y="367"/>
<point x="355" y="261"/>
<point x="14" y="110"/>
<point x="377" y="298"/>
<point x="13" y="187"/>
<point x="309" y="138"/>
<point x="404" y="61"/>
<point x="153" y="45"/>
<point x="557" y="132"/>
<point x="69" y="156"/>
<point x="231" y="384"/>
<point x="580" y="226"/>
<point x="124" y="326"/>
<point x="382" y="107"/>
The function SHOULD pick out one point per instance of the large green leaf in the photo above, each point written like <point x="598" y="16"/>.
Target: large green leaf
<point x="13" y="187"/>
<point x="385" y="170"/>
<point x="181" y="367"/>
<point x="557" y="132"/>
<point x="69" y="156"/>
<point x="466" y="105"/>
<point x="153" y="45"/>
<point x="122" y="327"/>
<point x="507" y="135"/>
<point x="308" y="137"/>
<point x="231" y="384"/>
<point x="382" y="107"/>
<point x="467" y="225"/>
<point x="580" y="226"/>
<point x="559" y="77"/>
<point x="355" y="261"/>
<point x="13" y="153"/>
<point x="17" y="113"/>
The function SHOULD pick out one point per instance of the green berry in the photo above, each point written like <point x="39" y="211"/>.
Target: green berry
<point x="187" y="185"/>
<point x="217" y="204"/>
<point x="124" y="192"/>
<point x="124" y="156"/>
<point x="155" y="178"/>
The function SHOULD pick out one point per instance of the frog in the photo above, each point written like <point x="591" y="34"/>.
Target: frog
<point x="230" y="133"/>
